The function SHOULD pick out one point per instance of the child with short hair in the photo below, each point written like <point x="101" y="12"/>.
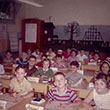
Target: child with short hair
<point x="61" y="92"/>
<point x="20" y="88"/>
<point x="30" y="67"/>
<point x="74" y="78"/>
<point x="8" y="59"/>
<point x="58" y="62"/>
<point x="100" y="94"/>
<point x="45" y="72"/>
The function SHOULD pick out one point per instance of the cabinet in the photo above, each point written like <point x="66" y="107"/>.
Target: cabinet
<point x="48" y="34"/>
<point x="32" y="34"/>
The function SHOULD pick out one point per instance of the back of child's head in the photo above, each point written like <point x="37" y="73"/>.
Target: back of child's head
<point x="20" y="67"/>
<point x="104" y="77"/>
<point x="74" y="63"/>
<point x="58" y="73"/>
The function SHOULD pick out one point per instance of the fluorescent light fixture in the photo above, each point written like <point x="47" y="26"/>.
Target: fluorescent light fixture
<point x="31" y="3"/>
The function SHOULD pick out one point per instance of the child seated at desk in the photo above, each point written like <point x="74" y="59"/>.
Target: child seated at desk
<point x="8" y="59"/>
<point x="58" y="62"/>
<point x="20" y="88"/>
<point x="30" y="67"/>
<point x="100" y="94"/>
<point x="74" y="78"/>
<point x="62" y="93"/>
<point x="23" y="59"/>
<point x="45" y="72"/>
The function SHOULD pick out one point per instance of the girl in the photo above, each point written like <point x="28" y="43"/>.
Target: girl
<point x="100" y="94"/>
<point x="105" y="67"/>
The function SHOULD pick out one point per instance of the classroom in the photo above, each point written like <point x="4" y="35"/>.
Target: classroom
<point x="54" y="55"/>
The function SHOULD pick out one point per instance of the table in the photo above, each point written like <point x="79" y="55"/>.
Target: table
<point x="38" y="87"/>
<point x="44" y="88"/>
<point x="90" y="67"/>
<point x="21" y="105"/>
<point x="8" y="99"/>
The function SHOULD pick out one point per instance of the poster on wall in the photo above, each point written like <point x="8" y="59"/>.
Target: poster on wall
<point x="31" y="33"/>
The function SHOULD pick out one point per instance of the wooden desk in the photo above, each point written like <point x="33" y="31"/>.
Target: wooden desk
<point x="90" y="67"/>
<point x="21" y="105"/>
<point x="38" y="87"/>
<point x="43" y="88"/>
<point x="8" y="69"/>
<point x="5" y="82"/>
<point x="88" y="78"/>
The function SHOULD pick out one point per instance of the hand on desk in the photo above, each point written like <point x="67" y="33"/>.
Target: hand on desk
<point x="16" y="96"/>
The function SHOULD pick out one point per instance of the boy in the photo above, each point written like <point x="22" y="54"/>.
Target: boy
<point x="82" y="57"/>
<point x="30" y="67"/>
<point x="45" y="72"/>
<point x="20" y="88"/>
<point x="8" y="59"/>
<point x="73" y="77"/>
<point x="62" y="93"/>
<point x="58" y="62"/>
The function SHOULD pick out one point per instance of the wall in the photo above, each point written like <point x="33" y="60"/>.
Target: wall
<point x="85" y="12"/>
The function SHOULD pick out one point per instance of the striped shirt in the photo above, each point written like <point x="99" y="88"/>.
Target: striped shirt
<point x="67" y="97"/>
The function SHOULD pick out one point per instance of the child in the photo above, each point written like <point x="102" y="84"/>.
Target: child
<point x="23" y="59"/>
<point x="82" y="57"/>
<point x="74" y="78"/>
<point x="30" y="67"/>
<point x="50" y="54"/>
<point x="100" y="94"/>
<point x="105" y="67"/>
<point x="58" y="62"/>
<point x="45" y="72"/>
<point x="8" y="59"/>
<point x="61" y="92"/>
<point x="73" y="56"/>
<point x="20" y="88"/>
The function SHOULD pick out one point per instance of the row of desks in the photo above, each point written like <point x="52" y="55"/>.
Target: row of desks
<point x="94" y="68"/>
<point x="43" y="88"/>
<point x="22" y="106"/>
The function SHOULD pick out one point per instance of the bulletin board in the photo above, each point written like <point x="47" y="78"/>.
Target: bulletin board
<point x="31" y="33"/>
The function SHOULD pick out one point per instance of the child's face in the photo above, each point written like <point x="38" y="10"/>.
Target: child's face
<point x="100" y="86"/>
<point x="8" y="55"/>
<point x="58" y="59"/>
<point x="24" y="55"/>
<point x="68" y="50"/>
<point x="32" y="61"/>
<point x="20" y="74"/>
<point x="73" y="68"/>
<point x="73" y="54"/>
<point x="105" y="68"/>
<point x="82" y="52"/>
<point x="46" y="64"/>
<point x="60" y="81"/>
<point x="96" y="57"/>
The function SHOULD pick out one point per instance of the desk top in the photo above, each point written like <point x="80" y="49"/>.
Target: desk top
<point x="21" y="105"/>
